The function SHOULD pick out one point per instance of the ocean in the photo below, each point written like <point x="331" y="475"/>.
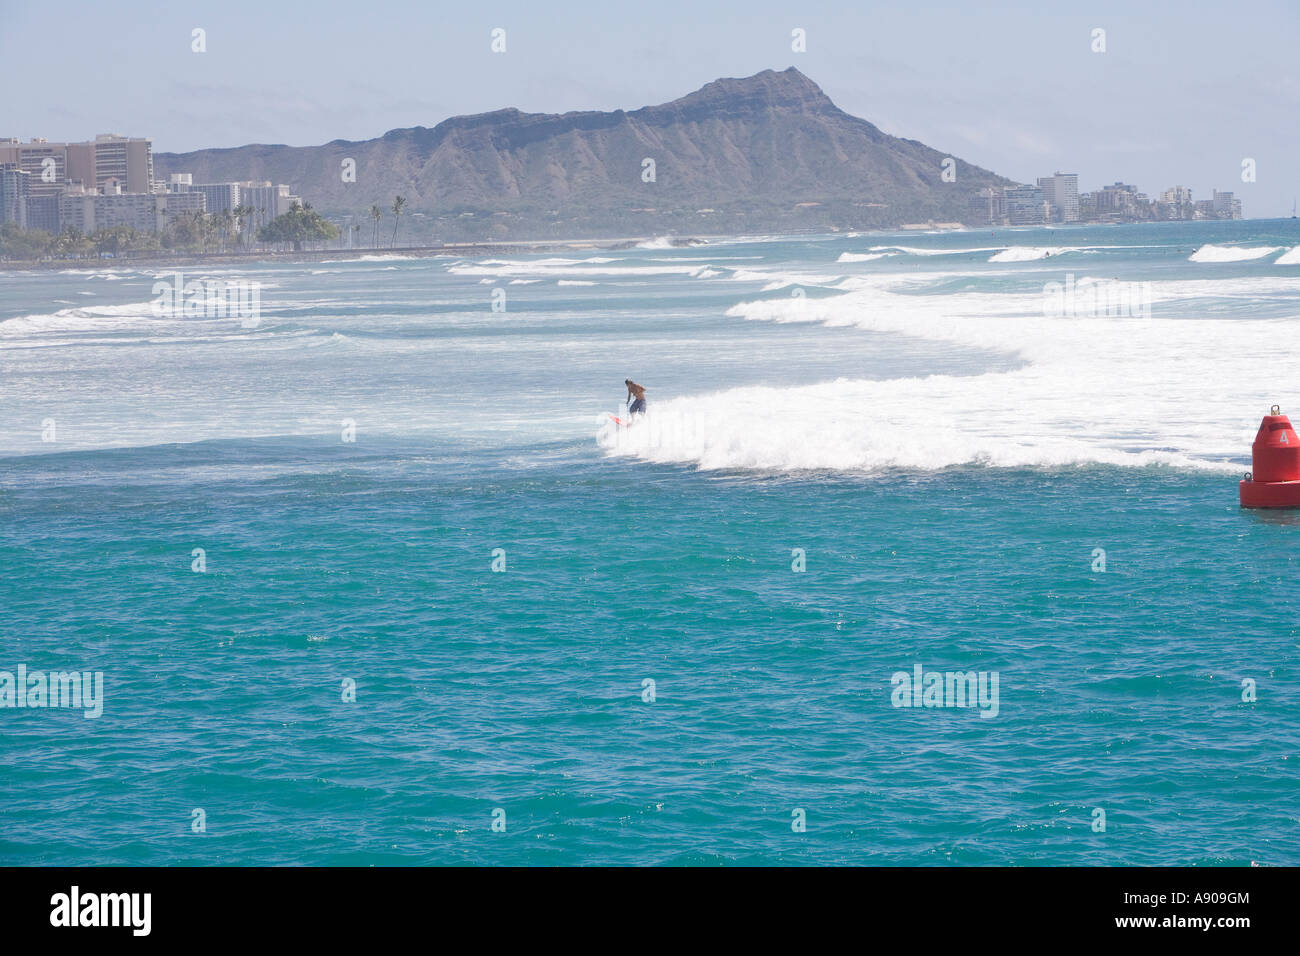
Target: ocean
<point x="372" y="578"/>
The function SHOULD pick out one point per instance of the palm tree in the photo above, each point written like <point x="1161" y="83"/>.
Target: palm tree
<point x="398" y="203"/>
<point x="376" y="214"/>
<point x="226" y="226"/>
<point x="202" y="228"/>
<point x="242" y="213"/>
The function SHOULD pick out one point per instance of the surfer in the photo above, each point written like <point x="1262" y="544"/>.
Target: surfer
<point x="633" y="389"/>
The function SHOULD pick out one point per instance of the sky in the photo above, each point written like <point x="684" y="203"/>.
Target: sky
<point x="1183" y="93"/>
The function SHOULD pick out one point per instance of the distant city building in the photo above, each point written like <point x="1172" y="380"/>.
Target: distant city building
<point x="1118" y="202"/>
<point x="267" y="201"/>
<point x="1117" y="196"/>
<point x="87" y="211"/>
<point x="183" y="196"/>
<point x="988" y="207"/>
<point x="1226" y="207"/>
<point x="1026" y="205"/>
<point x="1220" y="206"/>
<point x="46" y="164"/>
<point x="1061" y="191"/>
<point x="173" y="205"/>
<point x="76" y="210"/>
<point x="109" y="181"/>
<point x="138" y="211"/>
<point x="1175" y="203"/>
<point x="13" y="194"/>
<point x="221" y="197"/>
<point x="127" y="160"/>
<point x="43" y="213"/>
<point x="109" y="157"/>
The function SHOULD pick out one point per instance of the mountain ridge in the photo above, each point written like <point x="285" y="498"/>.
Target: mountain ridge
<point x="768" y="151"/>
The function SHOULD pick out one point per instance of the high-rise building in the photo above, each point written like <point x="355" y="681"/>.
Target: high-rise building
<point x="988" y="207"/>
<point x="267" y="201"/>
<point x="1061" y="191"/>
<point x="43" y="213"/>
<point x="77" y="210"/>
<point x="46" y="164"/>
<point x="86" y="210"/>
<point x="1025" y="205"/>
<point x="138" y="211"/>
<point x="1118" y="200"/>
<point x="1175" y="203"/>
<point x="1225" y="207"/>
<point x="108" y="158"/>
<point x="221" y="197"/>
<point x="13" y="194"/>
<point x="127" y="160"/>
<point x="173" y="205"/>
<point x="64" y="181"/>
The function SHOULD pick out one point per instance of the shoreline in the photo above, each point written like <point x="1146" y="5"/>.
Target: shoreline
<point x="518" y="246"/>
<point x="329" y="255"/>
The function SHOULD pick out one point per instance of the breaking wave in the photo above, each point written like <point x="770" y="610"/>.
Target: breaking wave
<point x="1213" y="253"/>
<point x="1091" y="390"/>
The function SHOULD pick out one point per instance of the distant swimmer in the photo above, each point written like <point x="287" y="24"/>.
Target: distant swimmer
<point x="633" y="389"/>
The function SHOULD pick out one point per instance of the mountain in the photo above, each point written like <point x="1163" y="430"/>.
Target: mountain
<point x="763" y="153"/>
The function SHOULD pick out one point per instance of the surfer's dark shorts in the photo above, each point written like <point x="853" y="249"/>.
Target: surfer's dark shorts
<point x="637" y="406"/>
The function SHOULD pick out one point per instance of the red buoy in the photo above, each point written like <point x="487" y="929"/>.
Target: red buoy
<point x="1275" y="460"/>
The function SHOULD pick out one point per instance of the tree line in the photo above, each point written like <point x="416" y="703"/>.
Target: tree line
<point x="199" y="232"/>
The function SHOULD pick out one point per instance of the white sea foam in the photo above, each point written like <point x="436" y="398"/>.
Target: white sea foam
<point x="1012" y="253"/>
<point x="861" y="256"/>
<point x="916" y="251"/>
<point x="551" y="262"/>
<point x="1289" y="258"/>
<point x="1213" y="253"/>
<point x="88" y="318"/>
<point x="382" y="257"/>
<point x="700" y="258"/>
<point x="1028" y="253"/>
<point x="1183" y="388"/>
<point x="567" y="267"/>
<point x="773" y="279"/>
<point x="1172" y="391"/>
<point x="138" y="317"/>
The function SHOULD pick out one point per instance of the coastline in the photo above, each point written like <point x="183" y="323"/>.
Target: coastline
<point x="526" y="246"/>
<point x="329" y="255"/>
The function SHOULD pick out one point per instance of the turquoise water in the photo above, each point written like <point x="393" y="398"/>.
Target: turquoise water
<point x="947" y="460"/>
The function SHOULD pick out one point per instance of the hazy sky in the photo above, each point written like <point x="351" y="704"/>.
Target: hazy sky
<point x="1184" y="92"/>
